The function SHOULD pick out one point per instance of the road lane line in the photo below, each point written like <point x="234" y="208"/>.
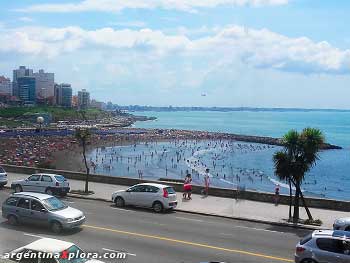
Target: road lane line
<point x="260" y="229"/>
<point x="191" y="219"/>
<point x="121" y="209"/>
<point x="32" y="235"/>
<point x="116" y="251"/>
<point x="237" y="251"/>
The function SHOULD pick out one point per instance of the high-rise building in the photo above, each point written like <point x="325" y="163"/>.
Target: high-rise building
<point x="45" y="84"/>
<point x="5" y="86"/>
<point x="26" y="89"/>
<point x="75" y="101"/>
<point x="83" y="99"/>
<point x="21" y="72"/>
<point x="63" y="95"/>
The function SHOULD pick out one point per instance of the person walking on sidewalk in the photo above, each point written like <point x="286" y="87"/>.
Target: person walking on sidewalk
<point x="277" y="194"/>
<point x="206" y="183"/>
<point x="188" y="187"/>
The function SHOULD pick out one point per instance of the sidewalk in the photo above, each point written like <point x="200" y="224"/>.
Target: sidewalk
<point x="250" y="210"/>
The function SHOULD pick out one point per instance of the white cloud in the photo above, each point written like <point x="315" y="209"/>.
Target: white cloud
<point x="128" y="24"/>
<point x="118" y="5"/>
<point x="25" y="19"/>
<point x="258" y="48"/>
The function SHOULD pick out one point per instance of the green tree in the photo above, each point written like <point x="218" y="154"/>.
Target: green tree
<point x="299" y="155"/>
<point x="83" y="136"/>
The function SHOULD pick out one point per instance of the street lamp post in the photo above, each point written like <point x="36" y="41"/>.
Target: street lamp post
<point x="40" y="121"/>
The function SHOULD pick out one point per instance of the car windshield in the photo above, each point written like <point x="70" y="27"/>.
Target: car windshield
<point x="60" y="178"/>
<point x="74" y="250"/>
<point x="2" y="170"/>
<point x="54" y="204"/>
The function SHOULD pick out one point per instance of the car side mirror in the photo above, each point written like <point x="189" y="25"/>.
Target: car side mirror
<point x="43" y="210"/>
<point x="128" y="190"/>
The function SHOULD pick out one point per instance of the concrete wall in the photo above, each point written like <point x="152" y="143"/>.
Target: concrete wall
<point x="220" y="192"/>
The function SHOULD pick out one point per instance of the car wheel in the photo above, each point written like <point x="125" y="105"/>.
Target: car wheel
<point x="18" y="189"/>
<point x="56" y="227"/>
<point x="49" y="191"/>
<point x="158" y="207"/>
<point x="308" y="260"/>
<point x="119" y="202"/>
<point x="12" y="220"/>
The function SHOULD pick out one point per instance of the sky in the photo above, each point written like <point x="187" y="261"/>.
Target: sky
<point x="231" y="53"/>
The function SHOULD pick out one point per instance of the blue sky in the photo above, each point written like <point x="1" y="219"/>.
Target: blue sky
<point x="259" y="53"/>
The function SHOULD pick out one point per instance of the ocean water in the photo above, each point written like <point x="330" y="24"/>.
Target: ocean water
<point x="238" y="164"/>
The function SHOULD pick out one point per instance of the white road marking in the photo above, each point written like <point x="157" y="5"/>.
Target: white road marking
<point x="32" y="235"/>
<point x="259" y="229"/>
<point x="116" y="251"/>
<point x="191" y="219"/>
<point x="121" y="209"/>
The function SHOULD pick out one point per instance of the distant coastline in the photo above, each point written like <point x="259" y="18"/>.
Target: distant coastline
<point x="136" y="108"/>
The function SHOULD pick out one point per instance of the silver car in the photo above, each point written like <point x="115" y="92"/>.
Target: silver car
<point x="42" y="210"/>
<point x="324" y="246"/>
<point x="3" y="177"/>
<point x="342" y="224"/>
<point x="51" y="184"/>
<point x="157" y="196"/>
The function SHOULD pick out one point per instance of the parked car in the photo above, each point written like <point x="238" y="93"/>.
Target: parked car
<point x="49" y="246"/>
<point x="51" y="184"/>
<point x="342" y="224"/>
<point x="3" y="177"/>
<point x="41" y="209"/>
<point x="157" y="196"/>
<point x="324" y="246"/>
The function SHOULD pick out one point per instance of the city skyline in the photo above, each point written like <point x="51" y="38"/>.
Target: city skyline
<point x="261" y="53"/>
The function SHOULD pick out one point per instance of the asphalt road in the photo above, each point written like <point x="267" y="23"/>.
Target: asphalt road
<point x="170" y="237"/>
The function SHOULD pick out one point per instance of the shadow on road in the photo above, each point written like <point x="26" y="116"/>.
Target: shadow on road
<point x="36" y="230"/>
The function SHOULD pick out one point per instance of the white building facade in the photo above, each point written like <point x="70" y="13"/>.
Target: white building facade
<point x="45" y="84"/>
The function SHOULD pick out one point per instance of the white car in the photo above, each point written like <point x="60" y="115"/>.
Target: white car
<point x="51" y="184"/>
<point x="47" y="247"/>
<point x="157" y="196"/>
<point x="3" y="177"/>
<point x="342" y="224"/>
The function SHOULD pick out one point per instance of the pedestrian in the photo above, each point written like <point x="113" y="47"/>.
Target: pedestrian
<point x="277" y="194"/>
<point x="188" y="187"/>
<point x="206" y="182"/>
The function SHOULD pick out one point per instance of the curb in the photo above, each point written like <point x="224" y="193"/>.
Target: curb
<point x="290" y="225"/>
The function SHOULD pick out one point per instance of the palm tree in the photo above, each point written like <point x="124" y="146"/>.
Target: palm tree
<point x="282" y="165"/>
<point x="83" y="136"/>
<point x="299" y="155"/>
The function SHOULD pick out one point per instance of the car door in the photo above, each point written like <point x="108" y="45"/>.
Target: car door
<point x="150" y="194"/>
<point x="133" y="195"/>
<point x="32" y="183"/>
<point x="45" y="182"/>
<point x="23" y="210"/>
<point x="38" y="213"/>
<point x="330" y="250"/>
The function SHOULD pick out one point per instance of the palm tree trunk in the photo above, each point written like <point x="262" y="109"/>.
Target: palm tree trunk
<point x="296" y="203"/>
<point x="306" y="207"/>
<point x="87" y="169"/>
<point x="290" y="199"/>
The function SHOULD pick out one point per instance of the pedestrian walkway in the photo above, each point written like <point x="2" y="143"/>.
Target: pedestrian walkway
<point x="227" y="207"/>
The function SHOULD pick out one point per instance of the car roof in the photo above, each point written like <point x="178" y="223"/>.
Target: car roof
<point x="31" y="194"/>
<point x="156" y="185"/>
<point x="332" y="233"/>
<point x="49" y="245"/>
<point x="48" y="174"/>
